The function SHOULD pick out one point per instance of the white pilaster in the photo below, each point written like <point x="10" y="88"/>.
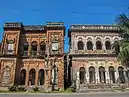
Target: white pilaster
<point x="97" y="75"/>
<point x="87" y="75"/>
<point x="116" y="75"/>
<point x="107" y="76"/>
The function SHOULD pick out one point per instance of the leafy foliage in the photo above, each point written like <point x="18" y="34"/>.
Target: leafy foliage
<point x="123" y="24"/>
<point x="16" y="88"/>
<point x="36" y="89"/>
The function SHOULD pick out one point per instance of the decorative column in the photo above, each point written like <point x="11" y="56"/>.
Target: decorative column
<point x="75" y="45"/>
<point x="72" y="43"/>
<point x="94" y="43"/>
<point x="116" y="75"/>
<point x="87" y="75"/>
<point x="97" y="75"/>
<point x="107" y="76"/>
<point x="125" y="75"/>
<point x="77" y="81"/>
<point x="85" y="44"/>
<point x="38" y="50"/>
<point x="103" y="44"/>
<point x="29" y="49"/>
<point x="27" y="78"/>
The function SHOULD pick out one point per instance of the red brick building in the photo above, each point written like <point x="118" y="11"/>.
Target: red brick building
<point x="33" y="55"/>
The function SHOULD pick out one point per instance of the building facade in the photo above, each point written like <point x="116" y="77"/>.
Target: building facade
<point x="93" y="57"/>
<point x="33" y="55"/>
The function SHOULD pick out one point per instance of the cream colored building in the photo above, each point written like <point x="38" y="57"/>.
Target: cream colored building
<point x="93" y="59"/>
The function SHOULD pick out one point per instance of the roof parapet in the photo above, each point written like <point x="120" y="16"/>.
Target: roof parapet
<point x="94" y="27"/>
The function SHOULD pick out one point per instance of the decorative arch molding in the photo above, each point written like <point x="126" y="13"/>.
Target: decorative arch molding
<point x="107" y="38"/>
<point x="80" y="38"/>
<point x="89" y="38"/>
<point x="98" y="38"/>
<point x="116" y="38"/>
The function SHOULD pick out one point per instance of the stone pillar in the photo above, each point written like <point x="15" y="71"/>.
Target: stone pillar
<point x="116" y="75"/>
<point x="85" y="44"/>
<point x="29" y="49"/>
<point x="94" y="44"/>
<point x="36" y="78"/>
<point x="38" y="50"/>
<point x="103" y="44"/>
<point x="27" y="78"/>
<point x="97" y="75"/>
<point x="77" y="81"/>
<point x="72" y="43"/>
<point x="107" y="76"/>
<point x="75" y="45"/>
<point x="87" y="75"/>
<point x="125" y="75"/>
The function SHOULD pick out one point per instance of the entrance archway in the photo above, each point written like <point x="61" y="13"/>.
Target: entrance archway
<point x="82" y="74"/>
<point x="32" y="77"/>
<point x="121" y="74"/>
<point x="91" y="74"/>
<point x="22" y="77"/>
<point x="102" y="74"/>
<point x="41" y="77"/>
<point x="112" y="74"/>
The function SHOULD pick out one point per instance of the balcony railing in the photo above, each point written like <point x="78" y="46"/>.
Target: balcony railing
<point x="41" y="53"/>
<point x="25" y="53"/>
<point x="93" y="51"/>
<point x="34" y="53"/>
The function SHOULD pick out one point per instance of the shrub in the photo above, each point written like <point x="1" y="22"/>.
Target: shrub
<point x="21" y="89"/>
<point x="13" y="88"/>
<point x="36" y="89"/>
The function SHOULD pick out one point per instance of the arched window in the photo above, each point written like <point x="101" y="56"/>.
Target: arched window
<point x="89" y="45"/>
<point x="121" y="74"/>
<point x="26" y="49"/>
<point x="116" y="47"/>
<point x="112" y="74"/>
<point x="108" y="45"/>
<point x="127" y="74"/>
<point x="6" y="76"/>
<point x="98" y="45"/>
<point x="32" y="77"/>
<point x="23" y="77"/>
<point x="41" y="77"/>
<point x="92" y="74"/>
<point x="55" y="75"/>
<point x="80" y="45"/>
<point x="102" y="74"/>
<point x="42" y="48"/>
<point x="82" y="74"/>
<point x="34" y="48"/>
<point x="10" y="46"/>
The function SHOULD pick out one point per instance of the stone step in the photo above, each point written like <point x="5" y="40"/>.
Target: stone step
<point x="94" y="90"/>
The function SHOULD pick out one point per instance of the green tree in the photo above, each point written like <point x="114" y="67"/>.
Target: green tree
<point x="123" y="54"/>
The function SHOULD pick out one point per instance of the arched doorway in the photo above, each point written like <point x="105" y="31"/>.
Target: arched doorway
<point x="23" y="77"/>
<point x="108" y="45"/>
<point x="42" y="48"/>
<point x="121" y="74"/>
<point x="26" y="49"/>
<point x="98" y="45"/>
<point x="102" y="74"/>
<point x="34" y="48"/>
<point x="112" y="74"/>
<point x="89" y="45"/>
<point x="127" y="74"/>
<point x="41" y="77"/>
<point x="32" y="77"/>
<point x="91" y="74"/>
<point x="80" y="45"/>
<point x="82" y="74"/>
